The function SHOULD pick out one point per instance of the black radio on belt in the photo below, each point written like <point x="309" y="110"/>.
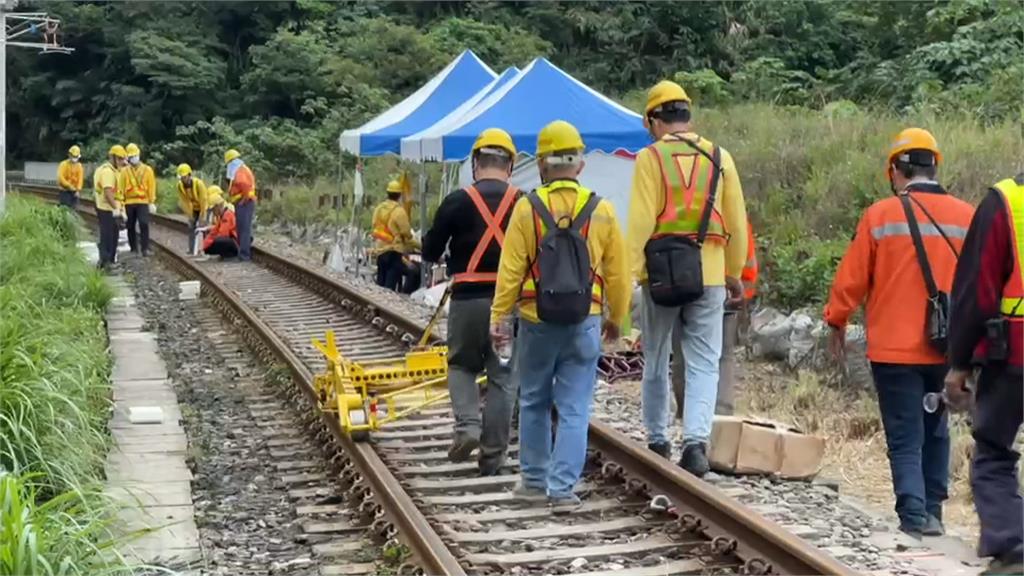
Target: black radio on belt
<point x="997" y="338"/>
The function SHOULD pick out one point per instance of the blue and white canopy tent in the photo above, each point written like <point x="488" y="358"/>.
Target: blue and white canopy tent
<point x="540" y="94"/>
<point x="464" y="77"/>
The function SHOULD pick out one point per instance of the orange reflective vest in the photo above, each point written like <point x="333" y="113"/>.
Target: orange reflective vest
<point x="134" y="185"/>
<point x="1012" y="303"/>
<point x="749" y="274"/>
<point x="243" y="185"/>
<point x="381" y="219"/>
<point x="687" y="191"/>
<point x="494" y="233"/>
<point x="529" y="289"/>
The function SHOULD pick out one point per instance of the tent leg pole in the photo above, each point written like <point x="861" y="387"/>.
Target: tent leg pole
<point x="424" y="268"/>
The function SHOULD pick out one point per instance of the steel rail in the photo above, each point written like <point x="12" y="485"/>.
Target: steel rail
<point x="764" y="545"/>
<point x="426" y="545"/>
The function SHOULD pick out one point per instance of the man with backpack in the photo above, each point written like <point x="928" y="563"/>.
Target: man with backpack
<point x="564" y="262"/>
<point x="901" y="261"/>
<point x="688" y="245"/>
<point x="471" y="224"/>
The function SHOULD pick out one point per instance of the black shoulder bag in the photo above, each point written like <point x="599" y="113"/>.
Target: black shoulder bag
<point x="937" y="311"/>
<point x="675" y="273"/>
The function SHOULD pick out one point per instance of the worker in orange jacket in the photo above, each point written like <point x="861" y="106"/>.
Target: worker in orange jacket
<point x="221" y="238"/>
<point x="730" y="336"/>
<point x="901" y="261"/>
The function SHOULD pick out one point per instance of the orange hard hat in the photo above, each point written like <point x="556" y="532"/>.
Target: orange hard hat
<point x="908" y="140"/>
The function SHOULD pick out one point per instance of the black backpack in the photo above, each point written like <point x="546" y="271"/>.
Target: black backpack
<point x="675" y="271"/>
<point x="563" y="260"/>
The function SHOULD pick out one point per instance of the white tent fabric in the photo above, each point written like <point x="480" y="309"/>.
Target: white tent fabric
<point x="610" y="175"/>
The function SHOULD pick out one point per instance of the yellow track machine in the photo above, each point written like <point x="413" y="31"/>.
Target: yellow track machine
<point x="369" y="394"/>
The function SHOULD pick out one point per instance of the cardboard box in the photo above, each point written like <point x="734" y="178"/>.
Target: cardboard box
<point x="755" y="446"/>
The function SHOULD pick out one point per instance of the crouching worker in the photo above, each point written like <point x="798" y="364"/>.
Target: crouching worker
<point x="192" y="198"/>
<point x="222" y="238"/>
<point x="563" y="260"/>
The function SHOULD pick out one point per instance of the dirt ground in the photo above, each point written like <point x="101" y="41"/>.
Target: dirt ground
<point x="855" y="454"/>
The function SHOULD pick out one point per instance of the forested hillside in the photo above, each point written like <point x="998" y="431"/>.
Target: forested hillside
<point x="286" y="77"/>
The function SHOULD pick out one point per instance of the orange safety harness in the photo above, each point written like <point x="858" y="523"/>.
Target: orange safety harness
<point x="492" y="233"/>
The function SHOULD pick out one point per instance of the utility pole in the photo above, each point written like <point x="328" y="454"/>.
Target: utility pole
<point x="20" y="29"/>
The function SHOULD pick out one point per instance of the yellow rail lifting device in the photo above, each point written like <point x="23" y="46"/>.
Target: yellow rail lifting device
<point x="370" y="393"/>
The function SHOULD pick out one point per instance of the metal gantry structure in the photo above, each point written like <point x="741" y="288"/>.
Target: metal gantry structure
<point x="22" y="30"/>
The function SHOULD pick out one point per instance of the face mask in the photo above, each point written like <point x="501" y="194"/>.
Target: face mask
<point x="133" y="160"/>
<point x="75" y="159"/>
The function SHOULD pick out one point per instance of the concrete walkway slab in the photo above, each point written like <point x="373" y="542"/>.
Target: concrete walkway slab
<point x="146" y="469"/>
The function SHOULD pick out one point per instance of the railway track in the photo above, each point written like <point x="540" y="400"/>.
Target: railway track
<point x="452" y="521"/>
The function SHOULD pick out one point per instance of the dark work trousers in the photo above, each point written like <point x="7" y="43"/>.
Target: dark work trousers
<point x="224" y="247"/>
<point x="138" y="213"/>
<point x="997" y="417"/>
<point x="193" y="223"/>
<point x="68" y="198"/>
<point x="726" y="365"/>
<point x="108" y="236"/>
<point x="244" y="213"/>
<point x="470" y="353"/>
<point x="918" y="442"/>
<point x="411" y="277"/>
<point x="390" y="270"/>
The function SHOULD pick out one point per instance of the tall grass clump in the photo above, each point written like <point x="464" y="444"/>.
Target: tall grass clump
<point x="54" y="396"/>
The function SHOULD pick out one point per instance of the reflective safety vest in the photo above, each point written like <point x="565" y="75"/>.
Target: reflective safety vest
<point x="749" y="274"/>
<point x="686" y="191"/>
<point x="243" y="185"/>
<point x="381" y="218"/>
<point x="529" y="289"/>
<point x="1012" y="303"/>
<point x="494" y="232"/>
<point x="134" y="190"/>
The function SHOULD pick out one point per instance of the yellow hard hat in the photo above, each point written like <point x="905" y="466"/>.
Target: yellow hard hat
<point x="74" y="151"/>
<point x="216" y="200"/>
<point x="662" y="93"/>
<point x="231" y="155"/>
<point x="132" y="149"/>
<point x="184" y="169"/>
<point x="395" y="187"/>
<point x="118" y="150"/>
<point x="558" y="136"/>
<point x="495" y="138"/>
<point x="908" y="140"/>
<point x="212" y="191"/>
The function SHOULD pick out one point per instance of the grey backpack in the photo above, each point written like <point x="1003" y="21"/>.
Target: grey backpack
<point x="563" y="261"/>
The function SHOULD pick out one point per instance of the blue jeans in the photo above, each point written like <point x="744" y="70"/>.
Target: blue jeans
<point x="918" y="442"/>
<point x="701" y="337"/>
<point x="556" y="366"/>
<point x="244" y="213"/>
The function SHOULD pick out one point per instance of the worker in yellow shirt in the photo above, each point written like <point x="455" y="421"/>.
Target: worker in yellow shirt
<point x="138" y="192"/>
<point x="105" y="185"/>
<point x="687" y="246"/>
<point x="564" y="262"/>
<point x="393" y="239"/>
<point x="71" y="177"/>
<point x="193" y="199"/>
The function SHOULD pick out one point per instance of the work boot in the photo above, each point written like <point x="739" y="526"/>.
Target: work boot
<point x="914" y="533"/>
<point x="1005" y="566"/>
<point x="933" y="527"/>
<point x="695" y="459"/>
<point x="663" y="449"/>
<point x="462" y="446"/>
<point x="530" y="495"/>
<point x="491" y="464"/>
<point x="564" y="504"/>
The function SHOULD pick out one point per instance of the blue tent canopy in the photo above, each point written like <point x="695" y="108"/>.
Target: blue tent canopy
<point x="461" y="79"/>
<point x="538" y="95"/>
<point x="412" y="145"/>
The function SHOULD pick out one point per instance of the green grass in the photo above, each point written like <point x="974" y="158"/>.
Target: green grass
<point x="54" y="396"/>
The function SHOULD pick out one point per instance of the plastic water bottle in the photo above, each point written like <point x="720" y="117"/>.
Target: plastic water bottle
<point x="503" y="348"/>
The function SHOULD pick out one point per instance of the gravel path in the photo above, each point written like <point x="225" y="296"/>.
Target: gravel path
<point x="245" y="505"/>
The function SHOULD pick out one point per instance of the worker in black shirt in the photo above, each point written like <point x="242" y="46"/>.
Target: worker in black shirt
<point x="471" y="223"/>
